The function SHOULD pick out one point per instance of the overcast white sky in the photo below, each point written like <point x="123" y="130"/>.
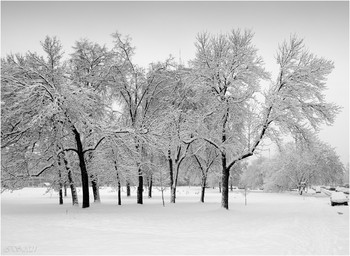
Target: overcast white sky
<point x="159" y="29"/>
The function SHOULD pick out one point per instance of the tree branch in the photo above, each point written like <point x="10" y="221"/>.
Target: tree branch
<point x="257" y="142"/>
<point x="94" y="148"/>
<point x="43" y="170"/>
<point x="184" y="155"/>
<point x="66" y="150"/>
<point x="30" y="175"/>
<point x="212" y="161"/>
<point x="199" y="163"/>
<point x="213" y="143"/>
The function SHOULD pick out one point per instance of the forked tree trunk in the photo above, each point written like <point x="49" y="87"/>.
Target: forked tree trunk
<point x="174" y="184"/>
<point x="175" y="166"/>
<point x="84" y="173"/>
<point x="73" y="189"/>
<point x="95" y="189"/>
<point x="71" y="183"/>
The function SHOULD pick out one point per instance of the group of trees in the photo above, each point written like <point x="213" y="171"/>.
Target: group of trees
<point x="98" y="113"/>
<point x="296" y="163"/>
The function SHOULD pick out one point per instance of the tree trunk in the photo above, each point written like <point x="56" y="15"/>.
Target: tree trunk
<point x="119" y="191"/>
<point x="163" y="196"/>
<point x="171" y="175"/>
<point x="150" y="187"/>
<point x="173" y="190"/>
<point x="219" y="186"/>
<point x="176" y="167"/>
<point x="71" y="182"/>
<point x="224" y="195"/>
<point x="139" y="196"/>
<point x="60" y="198"/>
<point x="225" y="171"/>
<point x="173" y="187"/>
<point x="60" y="189"/>
<point x="127" y="188"/>
<point x="173" y="194"/>
<point x="225" y="182"/>
<point x="73" y="189"/>
<point x="119" y="194"/>
<point x="204" y="181"/>
<point x="95" y="189"/>
<point x="118" y="184"/>
<point x="84" y="173"/>
<point x="60" y="195"/>
<point x="65" y="189"/>
<point x="140" y="187"/>
<point x="84" y="181"/>
<point x="231" y="183"/>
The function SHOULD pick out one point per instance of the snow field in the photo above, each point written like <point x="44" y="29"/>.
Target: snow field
<point x="271" y="223"/>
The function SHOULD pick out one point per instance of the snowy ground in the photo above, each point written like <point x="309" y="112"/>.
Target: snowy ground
<point x="271" y="223"/>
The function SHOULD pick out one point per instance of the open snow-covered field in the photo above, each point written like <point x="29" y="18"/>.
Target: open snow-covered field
<point x="32" y="222"/>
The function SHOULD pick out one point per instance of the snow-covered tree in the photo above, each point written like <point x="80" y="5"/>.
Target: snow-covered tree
<point x="205" y="157"/>
<point x="139" y="92"/>
<point x="89" y="68"/>
<point x="177" y="123"/>
<point x="101" y="112"/>
<point x="229" y="68"/>
<point x="31" y="90"/>
<point x="49" y="106"/>
<point x="253" y="175"/>
<point x="315" y="163"/>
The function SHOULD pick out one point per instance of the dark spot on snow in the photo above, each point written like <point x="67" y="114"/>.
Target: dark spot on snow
<point x="340" y="213"/>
